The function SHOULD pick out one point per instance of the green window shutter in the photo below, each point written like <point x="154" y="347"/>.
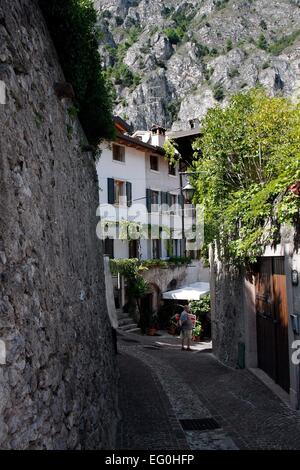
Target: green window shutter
<point x="169" y="199"/>
<point x="110" y="190"/>
<point x="163" y="197"/>
<point x="181" y="200"/>
<point x="148" y="199"/>
<point x="129" y="193"/>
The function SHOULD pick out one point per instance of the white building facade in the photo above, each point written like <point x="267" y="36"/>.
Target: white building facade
<point x="137" y="185"/>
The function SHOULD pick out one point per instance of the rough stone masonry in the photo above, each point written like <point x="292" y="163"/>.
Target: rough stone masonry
<point x="58" y="385"/>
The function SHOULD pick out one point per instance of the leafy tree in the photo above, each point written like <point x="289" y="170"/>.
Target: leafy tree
<point x="247" y="157"/>
<point x="171" y="152"/>
<point x="72" y="24"/>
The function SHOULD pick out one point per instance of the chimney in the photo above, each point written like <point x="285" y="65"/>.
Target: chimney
<point x="158" y="135"/>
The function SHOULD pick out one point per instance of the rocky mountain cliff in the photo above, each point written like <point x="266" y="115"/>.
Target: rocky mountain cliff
<point x="173" y="59"/>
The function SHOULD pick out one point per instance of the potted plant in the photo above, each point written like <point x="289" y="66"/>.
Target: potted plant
<point x="197" y="331"/>
<point x="173" y="328"/>
<point x="154" y="325"/>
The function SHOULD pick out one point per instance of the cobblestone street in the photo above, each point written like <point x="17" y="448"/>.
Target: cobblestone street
<point x="160" y="386"/>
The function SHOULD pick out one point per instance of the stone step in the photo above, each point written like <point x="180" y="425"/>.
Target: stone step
<point x="122" y="315"/>
<point x="134" y="330"/>
<point x="128" y="326"/>
<point x="125" y="321"/>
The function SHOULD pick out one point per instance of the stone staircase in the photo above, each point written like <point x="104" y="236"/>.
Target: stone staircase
<point x="126" y="323"/>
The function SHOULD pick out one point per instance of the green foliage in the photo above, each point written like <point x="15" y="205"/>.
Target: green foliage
<point x="131" y="267"/>
<point x="179" y="260"/>
<point x="181" y="18"/>
<point x="138" y="288"/>
<point x="208" y="72"/>
<point x="197" y="329"/>
<point x="154" y="263"/>
<point x="173" y="108"/>
<point x="263" y="25"/>
<point x="132" y="35"/>
<point x="280" y="44"/>
<point x="218" y="92"/>
<point x="233" y="73"/>
<point x="201" y="50"/>
<point x="171" y="152"/>
<point x="229" y="45"/>
<point x="73" y="111"/>
<point x="175" y="35"/>
<point x="201" y="307"/>
<point x="262" y="42"/>
<point x="119" y="20"/>
<point x="72" y="24"/>
<point x="107" y="14"/>
<point x="250" y="154"/>
<point x="220" y="4"/>
<point x="213" y="52"/>
<point x="122" y="75"/>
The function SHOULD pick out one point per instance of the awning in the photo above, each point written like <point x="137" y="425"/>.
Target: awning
<point x="192" y="292"/>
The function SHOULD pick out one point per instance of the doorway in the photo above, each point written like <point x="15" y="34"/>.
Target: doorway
<point x="272" y="320"/>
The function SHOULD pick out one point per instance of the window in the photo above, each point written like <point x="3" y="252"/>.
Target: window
<point x="173" y="200"/>
<point x="108" y="247"/>
<point x="152" y="200"/>
<point x="118" y="153"/>
<point x="175" y="247"/>
<point x="172" y="170"/>
<point x="156" y="249"/>
<point x="154" y="197"/>
<point x="154" y="162"/>
<point x="120" y="192"/>
<point x="133" y="249"/>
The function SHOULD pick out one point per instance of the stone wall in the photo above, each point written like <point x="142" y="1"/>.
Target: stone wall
<point x="161" y="279"/>
<point x="227" y="302"/>
<point x="58" y="386"/>
<point x="183" y="275"/>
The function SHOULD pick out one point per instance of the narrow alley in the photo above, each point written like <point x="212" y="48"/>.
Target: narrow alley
<point x="165" y="394"/>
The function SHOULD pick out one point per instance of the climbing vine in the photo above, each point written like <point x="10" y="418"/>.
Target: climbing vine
<point x="249" y="160"/>
<point x="73" y="26"/>
<point x="172" y="154"/>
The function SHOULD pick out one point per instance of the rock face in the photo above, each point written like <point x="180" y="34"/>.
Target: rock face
<point x="58" y="386"/>
<point x="182" y="53"/>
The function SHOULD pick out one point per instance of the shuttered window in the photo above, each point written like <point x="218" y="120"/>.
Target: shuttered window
<point x="129" y="193"/>
<point x="108" y="247"/>
<point x="117" y="192"/>
<point x="148" y="199"/>
<point x="118" y="153"/>
<point x="110" y="191"/>
<point x="172" y="170"/>
<point x="156" y="249"/>
<point x="154" y="163"/>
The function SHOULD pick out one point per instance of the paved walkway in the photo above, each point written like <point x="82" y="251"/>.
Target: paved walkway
<point x="160" y="386"/>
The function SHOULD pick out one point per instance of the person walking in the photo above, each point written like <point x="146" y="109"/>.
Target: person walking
<point x="186" y="328"/>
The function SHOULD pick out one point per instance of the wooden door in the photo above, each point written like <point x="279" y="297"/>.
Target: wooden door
<point x="281" y="323"/>
<point x="272" y="320"/>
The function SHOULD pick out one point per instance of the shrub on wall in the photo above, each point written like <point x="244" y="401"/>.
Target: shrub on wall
<point x="72" y="24"/>
<point x="248" y="164"/>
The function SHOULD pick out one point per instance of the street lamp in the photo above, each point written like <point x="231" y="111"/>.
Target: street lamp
<point x="188" y="192"/>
